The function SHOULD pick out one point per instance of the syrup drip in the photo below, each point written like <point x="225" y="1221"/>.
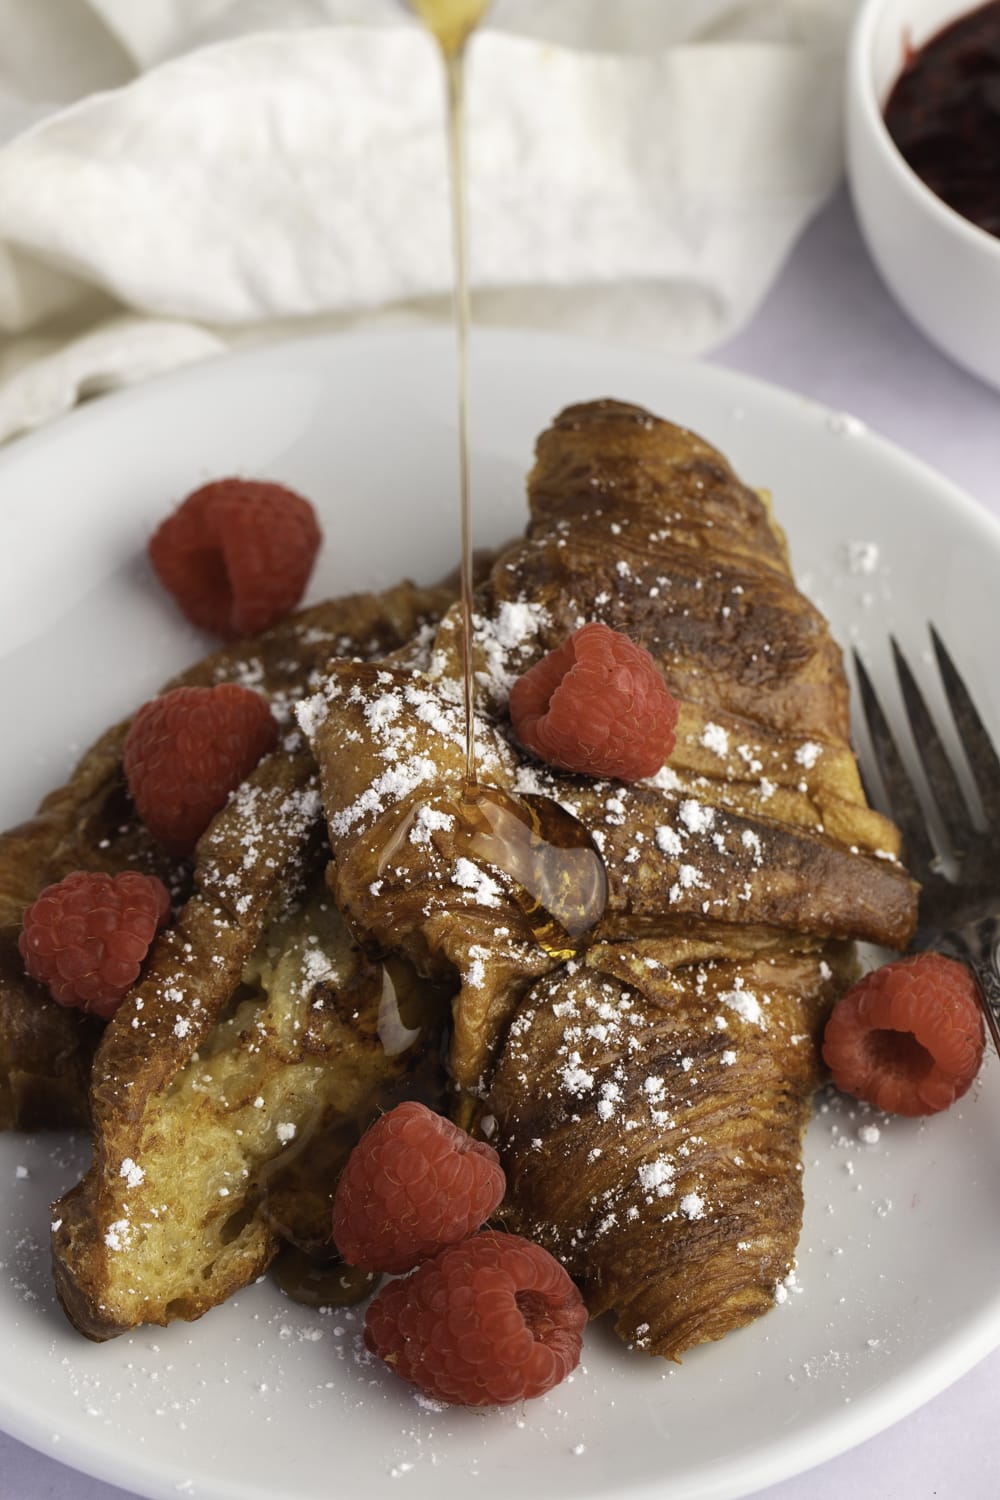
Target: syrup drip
<point x="557" y="875"/>
<point x="452" y="22"/>
<point x="393" y="1032"/>
<point x="316" y="1283"/>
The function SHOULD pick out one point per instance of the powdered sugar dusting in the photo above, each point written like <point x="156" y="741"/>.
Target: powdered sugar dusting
<point x="808" y="754"/>
<point x="132" y="1173"/>
<point x="393" y="785"/>
<point x="657" y="1177"/>
<point x="668" y="840"/>
<point x="745" y="1004"/>
<point x="715" y="738"/>
<point x="471" y="878"/>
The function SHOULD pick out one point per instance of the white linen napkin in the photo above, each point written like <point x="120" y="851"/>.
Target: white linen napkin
<point x="183" y="175"/>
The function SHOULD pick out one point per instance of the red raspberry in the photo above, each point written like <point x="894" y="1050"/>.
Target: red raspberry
<point x="908" y="1037"/>
<point x="185" y="752"/>
<point x="237" y="554"/>
<point x="597" y="705"/>
<point x="493" y="1320"/>
<point x="87" y="936"/>
<point x="412" y="1184"/>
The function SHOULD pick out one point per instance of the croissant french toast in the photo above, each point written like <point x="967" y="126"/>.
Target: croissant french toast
<point x="650" y="1074"/>
<point x="259" y="1032"/>
<point x="46" y="1051"/>
<point x="651" y="1109"/>
<point x="234" y="1079"/>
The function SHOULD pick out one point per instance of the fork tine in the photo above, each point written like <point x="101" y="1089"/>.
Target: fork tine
<point x="867" y="786"/>
<point x="979" y="748"/>
<point x="941" y="777"/>
<point x="903" y="802"/>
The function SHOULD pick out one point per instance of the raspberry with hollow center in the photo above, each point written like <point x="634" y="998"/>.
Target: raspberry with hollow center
<point x="87" y="936"/>
<point x="908" y="1037"/>
<point x="492" y="1320"/>
<point x="412" y="1184"/>
<point x="237" y="554"/>
<point x="596" y="705"/>
<point x="186" y="751"/>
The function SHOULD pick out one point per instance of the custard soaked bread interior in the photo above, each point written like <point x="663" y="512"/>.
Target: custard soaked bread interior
<point x="236" y="1077"/>
<point x="648" y="1093"/>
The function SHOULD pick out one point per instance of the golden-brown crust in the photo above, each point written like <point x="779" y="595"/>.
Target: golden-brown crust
<point x="651" y="1120"/>
<point x="47" y="1049"/>
<point x="89" y="824"/>
<point x="231" y="1072"/>
<point x="759" y="820"/>
<point x="741" y="870"/>
<point x="252" y="1042"/>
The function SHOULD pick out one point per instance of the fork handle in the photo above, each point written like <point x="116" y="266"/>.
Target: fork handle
<point x="978" y="945"/>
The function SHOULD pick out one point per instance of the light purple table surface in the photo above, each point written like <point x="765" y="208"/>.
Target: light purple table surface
<point x="830" y="331"/>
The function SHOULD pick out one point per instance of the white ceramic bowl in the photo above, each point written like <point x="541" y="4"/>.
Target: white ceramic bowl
<point x="943" y="270"/>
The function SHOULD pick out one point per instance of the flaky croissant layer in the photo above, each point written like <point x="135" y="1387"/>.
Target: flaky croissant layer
<point x="651" y="1094"/>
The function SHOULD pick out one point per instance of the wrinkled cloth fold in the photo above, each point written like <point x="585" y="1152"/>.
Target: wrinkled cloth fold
<point x="185" y="175"/>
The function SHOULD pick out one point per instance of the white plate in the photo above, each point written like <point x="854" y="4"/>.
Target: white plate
<point x="898" y="1292"/>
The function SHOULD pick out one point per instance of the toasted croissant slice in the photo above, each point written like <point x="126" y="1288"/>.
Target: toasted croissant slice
<point x="651" y="1109"/>
<point x="754" y="847"/>
<point x="759" y="820"/>
<point x="260" y="1032"/>
<point x="46" y="1051"/>
<point x="258" y="1044"/>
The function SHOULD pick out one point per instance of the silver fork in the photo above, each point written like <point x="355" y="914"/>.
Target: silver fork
<point x="954" y="853"/>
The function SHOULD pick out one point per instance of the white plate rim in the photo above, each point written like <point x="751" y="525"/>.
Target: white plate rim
<point x="949" y="1359"/>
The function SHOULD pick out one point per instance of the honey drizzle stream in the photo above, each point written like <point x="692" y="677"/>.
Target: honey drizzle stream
<point x="558" y="875"/>
<point x="452" y="22"/>
<point x="455" y="71"/>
